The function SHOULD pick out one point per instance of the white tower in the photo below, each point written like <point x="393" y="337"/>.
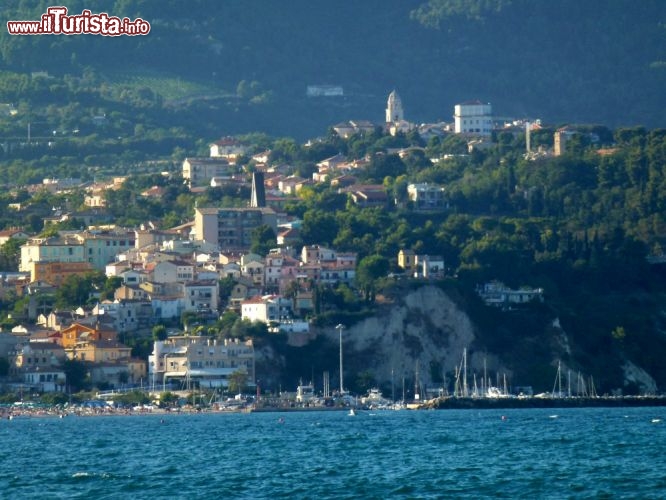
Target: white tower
<point x="394" y="112"/>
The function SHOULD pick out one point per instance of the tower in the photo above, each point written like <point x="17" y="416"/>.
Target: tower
<point x="258" y="198"/>
<point x="394" y="112"/>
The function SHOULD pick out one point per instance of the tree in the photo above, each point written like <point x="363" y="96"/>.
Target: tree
<point x="369" y="270"/>
<point x="10" y="254"/>
<point x="319" y="227"/>
<point x="76" y="373"/>
<point x="159" y="333"/>
<point x="74" y="291"/>
<point x="237" y="381"/>
<point x="263" y="239"/>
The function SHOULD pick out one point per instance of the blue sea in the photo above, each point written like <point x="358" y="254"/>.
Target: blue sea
<point x="563" y="453"/>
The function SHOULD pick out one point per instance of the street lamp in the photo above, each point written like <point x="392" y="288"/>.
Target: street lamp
<point x="340" y="327"/>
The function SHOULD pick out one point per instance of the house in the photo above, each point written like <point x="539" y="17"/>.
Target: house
<point x="99" y="351"/>
<point x="243" y="289"/>
<point x="201" y="296"/>
<point x="167" y="307"/>
<point x="95" y="200"/>
<point x="496" y="294"/>
<point x="289" y="236"/>
<point x="347" y="129"/>
<point x="171" y="271"/>
<point x="427" y="196"/>
<point x="76" y="332"/>
<point x="131" y="292"/>
<point x="200" y="360"/>
<point x="12" y="234"/>
<point x="34" y="355"/>
<point x="273" y="270"/>
<point x="366" y="198"/>
<point x="133" y="277"/>
<point x="252" y="267"/>
<point x="267" y="308"/>
<point x="127" y="315"/>
<point x="333" y="162"/>
<point x="227" y="147"/>
<point x="117" y="374"/>
<point x="198" y="172"/>
<point x="291" y="184"/>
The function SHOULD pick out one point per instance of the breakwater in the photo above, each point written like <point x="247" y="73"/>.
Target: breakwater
<point x="454" y="403"/>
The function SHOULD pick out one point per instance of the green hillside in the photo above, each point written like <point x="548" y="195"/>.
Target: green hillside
<point x="565" y="61"/>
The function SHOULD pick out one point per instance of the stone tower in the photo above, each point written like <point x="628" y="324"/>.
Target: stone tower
<point x="394" y="112"/>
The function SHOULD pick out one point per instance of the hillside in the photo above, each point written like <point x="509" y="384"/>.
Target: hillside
<point x="233" y="67"/>
<point x="425" y="331"/>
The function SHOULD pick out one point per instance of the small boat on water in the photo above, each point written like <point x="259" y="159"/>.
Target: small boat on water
<point x="352" y="412"/>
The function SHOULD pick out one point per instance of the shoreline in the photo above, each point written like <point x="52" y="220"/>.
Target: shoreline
<point x="447" y="403"/>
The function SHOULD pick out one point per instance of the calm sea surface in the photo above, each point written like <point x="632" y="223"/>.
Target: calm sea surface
<point x="568" y="453"/>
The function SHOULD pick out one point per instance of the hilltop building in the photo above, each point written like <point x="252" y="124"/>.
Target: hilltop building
<point x="560" y="139"/>
<point x="473" y="118"/>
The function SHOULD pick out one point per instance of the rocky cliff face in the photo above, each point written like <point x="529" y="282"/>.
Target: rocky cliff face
<point x="424" y="331"/>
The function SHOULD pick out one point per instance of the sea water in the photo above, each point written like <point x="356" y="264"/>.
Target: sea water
<point x="567" y="453"/>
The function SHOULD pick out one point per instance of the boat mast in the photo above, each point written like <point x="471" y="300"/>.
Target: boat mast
<point x="484" y="388"/>
<point x="465" y="389"/>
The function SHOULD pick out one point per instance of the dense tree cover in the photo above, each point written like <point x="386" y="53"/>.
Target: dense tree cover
<point x="195" y="75"/>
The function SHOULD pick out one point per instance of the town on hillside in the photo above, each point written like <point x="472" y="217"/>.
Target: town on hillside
<point x="150" y="322"/>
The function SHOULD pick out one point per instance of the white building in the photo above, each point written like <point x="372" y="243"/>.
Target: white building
<point x="267" y="309"/>
<point x="227" y="147"/>
<point x="200" y="361"/>
<point x="473" y="117"/>
<point x="427" y="196"/>
<point x="200" y="171"/>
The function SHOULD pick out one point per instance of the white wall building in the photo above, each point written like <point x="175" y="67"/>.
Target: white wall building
<point x="473" y="117"/>
<point x="200" y="361"/>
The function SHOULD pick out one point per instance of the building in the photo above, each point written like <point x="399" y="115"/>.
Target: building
<point x="406" y="259"/>
<point x="200" y="361"/>
<point x="258" y="198"/>
<point x="12" y="234"/>
<point x="57" y="272"/>
<point x="55" y="249"/>
<point x="96" y="248"/>
<point x="560" y="140"/>
<point x="267" y="309"/>
<point x="496" y="294"/>
<point x="231" y="229"/>
<point x="200" y="171"/>
<point x="201" y="296"/>
<point x="426" y="196"/>
<point x="474" y="118"/>
<point x="227" y="147"/>
<point x="101" y="247"/>
<point x="394" y="111"/>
